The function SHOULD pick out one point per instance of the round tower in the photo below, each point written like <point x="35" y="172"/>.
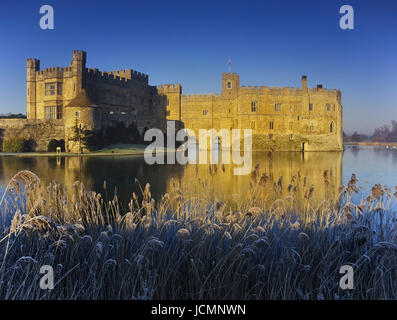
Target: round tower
<point x="32" y="66"/>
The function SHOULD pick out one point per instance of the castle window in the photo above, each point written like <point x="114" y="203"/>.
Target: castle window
<point x="229" y="84"/>
<point x="50" y="112"/>
<point x="77" y="114"/>
<point x="331" y="127"/>
<point x="271" y="136"/>
<point x="205" y="112"/>
<point x="290" y="125"/>
<point x="328" y="107"/>
<point x="291" y="137"/>
<point x="50" y="89"/>
<point x="291" y="108"/>
<point x="59" y="89"/>
<point x="254" y="106"/>
<point x="271" y="125"/>
<point x="299" y="117"/>
<point x="253" y="125"/>
<point x="310" y="106"/>
<point x="277" y="107"/>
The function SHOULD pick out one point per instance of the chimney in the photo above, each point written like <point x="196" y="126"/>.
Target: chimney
<point x="304" y="83"/>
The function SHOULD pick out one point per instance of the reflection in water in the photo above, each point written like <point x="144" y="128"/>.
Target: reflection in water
<point x="371" y="165"/>
<point x="217" y="181"/>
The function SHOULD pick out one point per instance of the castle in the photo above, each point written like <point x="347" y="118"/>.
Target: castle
<point x="284" y="119"/>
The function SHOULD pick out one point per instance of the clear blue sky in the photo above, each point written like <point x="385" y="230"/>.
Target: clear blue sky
<point x="189" y="42"/>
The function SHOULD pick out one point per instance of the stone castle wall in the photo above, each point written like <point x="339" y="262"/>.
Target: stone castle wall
<point x="40" y="131"/>
<point x="284" y="119"/>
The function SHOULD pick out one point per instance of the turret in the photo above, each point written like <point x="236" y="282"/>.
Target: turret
<point x="78" y="69"/>
<point x="32" y="66"/>
<point x="170" y="100"/>
<point x="230" y="85"/>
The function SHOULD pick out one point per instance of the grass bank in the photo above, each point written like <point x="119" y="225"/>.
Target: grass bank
<point x="111" y="150"/>
<point x="195" y="247"/>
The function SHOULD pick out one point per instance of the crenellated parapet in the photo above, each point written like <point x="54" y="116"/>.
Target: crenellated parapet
<point x="285" y="91"/>
<point x="33" y="64"/>
<point x="54" y="72"/>
<point x="169" y="88"/>
<point x="127" y="76"/>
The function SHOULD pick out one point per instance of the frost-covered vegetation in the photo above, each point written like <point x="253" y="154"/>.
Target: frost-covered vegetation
<point x="196" y="247"/>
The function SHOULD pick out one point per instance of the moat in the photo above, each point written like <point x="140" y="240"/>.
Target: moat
<point x="370" y="164"/>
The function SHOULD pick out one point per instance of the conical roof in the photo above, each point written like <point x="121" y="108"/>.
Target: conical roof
<point x="82" y="99"/>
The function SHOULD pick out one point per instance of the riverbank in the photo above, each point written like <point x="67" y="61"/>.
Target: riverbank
<point x="371" y="143"/>
<point x="112" y="150"/>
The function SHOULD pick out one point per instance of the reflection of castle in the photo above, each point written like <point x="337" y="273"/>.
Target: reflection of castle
<point x="281" y="118"/>
<point x="313" y="168"/>
<point x="219" y="182"/>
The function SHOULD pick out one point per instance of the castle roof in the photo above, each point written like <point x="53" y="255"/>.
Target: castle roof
<point x="83" y="99"/>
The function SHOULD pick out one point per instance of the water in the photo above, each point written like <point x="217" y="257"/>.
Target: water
<point x="371" y="165"/>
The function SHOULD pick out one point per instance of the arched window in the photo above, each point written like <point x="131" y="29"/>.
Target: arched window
<point x="331" y="127"/>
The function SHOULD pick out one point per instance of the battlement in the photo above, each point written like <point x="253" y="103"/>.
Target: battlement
<point x="128" y="76"/>
<point x="79" y="55"/>
<point x="54" y="72"/>
<point x="169" y="88"/>
<point x="132" y="74"/>
<point x="285" y="90"/>
<point x="224" y="74"/>
<point x="33" y="64"/>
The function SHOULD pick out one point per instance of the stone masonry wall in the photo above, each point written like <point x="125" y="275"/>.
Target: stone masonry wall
<point x="40" y="131"/>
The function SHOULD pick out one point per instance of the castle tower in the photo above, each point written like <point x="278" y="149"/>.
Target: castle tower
<point x="170" y="100"/>
<point x="78" y="68"/>
<point x="32" y="65"/>
<point x="230" y="85"/>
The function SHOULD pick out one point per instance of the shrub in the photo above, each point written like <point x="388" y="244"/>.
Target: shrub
<point x="93" y="140"/>
<point x="54" y="144"/>
<point x="122" y="134"/>
<point x="14" y="144"/>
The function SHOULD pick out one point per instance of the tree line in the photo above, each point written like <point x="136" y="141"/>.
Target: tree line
<point x="385" y="133"/>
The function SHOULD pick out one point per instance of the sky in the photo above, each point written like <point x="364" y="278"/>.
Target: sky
<point x="270" y="43"/>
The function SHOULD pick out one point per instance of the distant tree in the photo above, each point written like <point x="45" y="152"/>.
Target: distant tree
<point x="381" y="134"/>
<point x="13" y="116"/>
<point x="393" y="131"/>
<point x="355" y="137"/>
